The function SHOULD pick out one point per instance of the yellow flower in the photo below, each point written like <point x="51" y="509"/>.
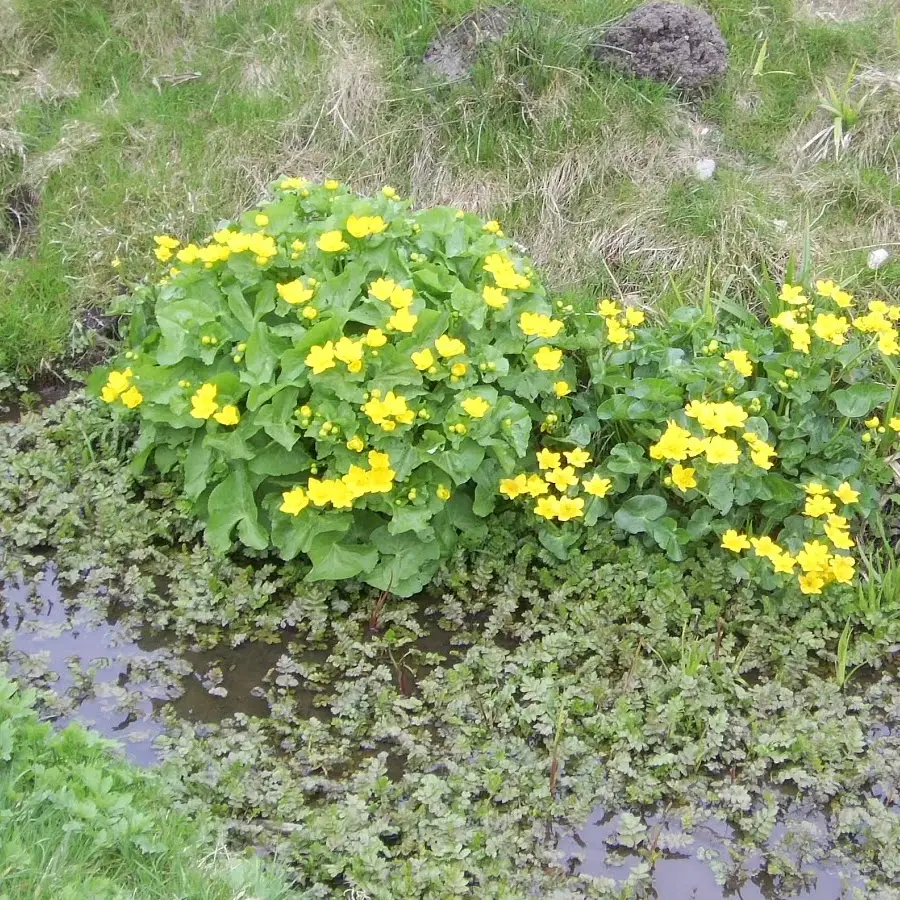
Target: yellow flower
<point x="310" y="312"/>
<point x="379" y="460"/>
<point x="375" y="337"/>
<point x="597" y="486"/>
<point x="363" y="226"/>
<point x="562" y="388"/>
<point x="459" y="369"/>
<point x="831" y="290"/>
<point x="401" y="297"/>
<point x="476" y="407"/>
<point x="765" y="547"/>
<point x="762" y="453"/>
<point x="547" y="507"/>
<point x="716" y="417"/>
<point x="293" y="184"/>
<point x="380" y="480"/>
<point x="298" y="246"/>
<point x="491" y="227"/>
<point x="673" y="444"/>
<point x="793" y="294"/>
<point x="203" y="403"/>
<point x="513" y="487"/>
<point x="320" y="358"/>
<point x="894" y="424"/>
<point x="116" y="384"/>
<point x="331" y="185"/>
<point x="382" y="289"/>
<point x="814" y="557"/>
<point x="389" y="192"/>
<point x="116" y="262"/>
<point x="842" y="569"/>
<point x="818" y="506"/>
<point x="402" y="320"/>
<point x="294" y="292"/>
<point x="228" y="415"/>
<point x="505" y="274"/>
<point x="617" y="332"/>
<point x="132" y="398"/>
<point x="831" y="328"/>
<point x="634" y="317"/>
<point x="537" y="486"/>
<point x="188" y="254"/>
<point x="683" y="477"/>
<point x="332" y="242"/>
<point x="357" y="481"/>
<point x="547" y="459"/>
<point x="294" y="501"/>
<point x="608" y="308"/>
<point x="168" y="243"/>
<point x="448" y="347"/>
<point x="814" y="489"/>
<point x="443" y="492"/>
<point x="783" y="563"/>
<point x="811" y="583"/>
<point x="494" y="297"/>
<point x="570" y="508"/>
<point x="356" y="444"/>
<point x="261" y="220"/>
<point x="562" y="478"/>
<point x="889" y="343"/>
<point x="740" y="359"/>
<point x="723" y="451"/>
<point x="423" y="359"/>
<point x="734" y="541"/>
<point x="350" y="353"/>
<point x="874" y="422"/>
<point x="539" y="325"/>
<point x="577" y="457"/>
<point x="836" y="531"/>
<point x="548" y="359"/>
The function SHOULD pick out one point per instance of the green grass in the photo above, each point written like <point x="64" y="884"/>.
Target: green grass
<point x="591" y="170"/>
<point x="76" y="822"/>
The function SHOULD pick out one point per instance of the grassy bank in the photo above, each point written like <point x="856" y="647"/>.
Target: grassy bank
<point x="119" y="120"/>
<point x="76" y="821"/>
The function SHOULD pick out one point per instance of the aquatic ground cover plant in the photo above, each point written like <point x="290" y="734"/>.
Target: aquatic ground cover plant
<point x="353" y="381"/>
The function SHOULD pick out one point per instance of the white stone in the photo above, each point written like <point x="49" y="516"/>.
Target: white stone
<point x="704" y="169"/>
<point x="877" y="258"/>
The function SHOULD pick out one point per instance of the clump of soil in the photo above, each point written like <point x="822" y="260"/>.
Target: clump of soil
<point x="668" y="42"/>
<point x="454" y="52"/>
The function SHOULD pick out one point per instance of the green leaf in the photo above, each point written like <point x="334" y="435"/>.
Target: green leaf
<point x="277" y="418"/>
<point x="261" y="357"/>
<point x="460" y="464"/>
<point x="860" y="399"/>
<point x="180" y="322"/>
<point x="406" y="563"/>
<point x="232" y="504"/>
<point x="334" y="561"/>
<point x="635" y="515"/>
<point x="196" y="467"/>
<point x="239" y="306"/>
<point x="469" y="304"/>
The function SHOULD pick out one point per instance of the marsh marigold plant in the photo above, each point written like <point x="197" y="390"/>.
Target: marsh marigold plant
<point x="349" y="380"/>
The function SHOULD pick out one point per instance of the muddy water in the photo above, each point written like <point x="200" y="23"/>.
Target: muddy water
<point x="119" y="679"/>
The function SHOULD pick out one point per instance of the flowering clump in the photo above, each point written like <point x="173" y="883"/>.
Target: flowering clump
<point x="343" y="378"/>
<point x="348" y="380"/>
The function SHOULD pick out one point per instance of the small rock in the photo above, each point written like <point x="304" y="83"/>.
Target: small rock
<point x="704" y="169"/>
<point x="877" y="258"/>
<point x="668" y="42"/>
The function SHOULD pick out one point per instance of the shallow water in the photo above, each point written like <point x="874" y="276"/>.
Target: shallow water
<point x="682" y="873"/>
<point x="118" y="679"/>
<point x="126" y="682"/>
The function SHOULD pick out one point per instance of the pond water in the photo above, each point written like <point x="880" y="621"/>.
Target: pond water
<point x="127" y="682"/>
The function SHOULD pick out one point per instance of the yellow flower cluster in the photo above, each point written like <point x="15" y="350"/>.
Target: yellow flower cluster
<point x="618" y="327"/>
<point x="678" y="444"/>
<point x="296" y="292"/>
<point x="564" y="507"/>
<point x="204" y="405"/>
<point x="818" y="565"/>
<point x="332" y="242"/>
<point x="879" y="320"/>
<point x="741" y="361"/>
<point x="341" y="493"/>
<point x="389" y="411"/>
<point x="505" y="274"/>
<point x="119" y="387"/>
